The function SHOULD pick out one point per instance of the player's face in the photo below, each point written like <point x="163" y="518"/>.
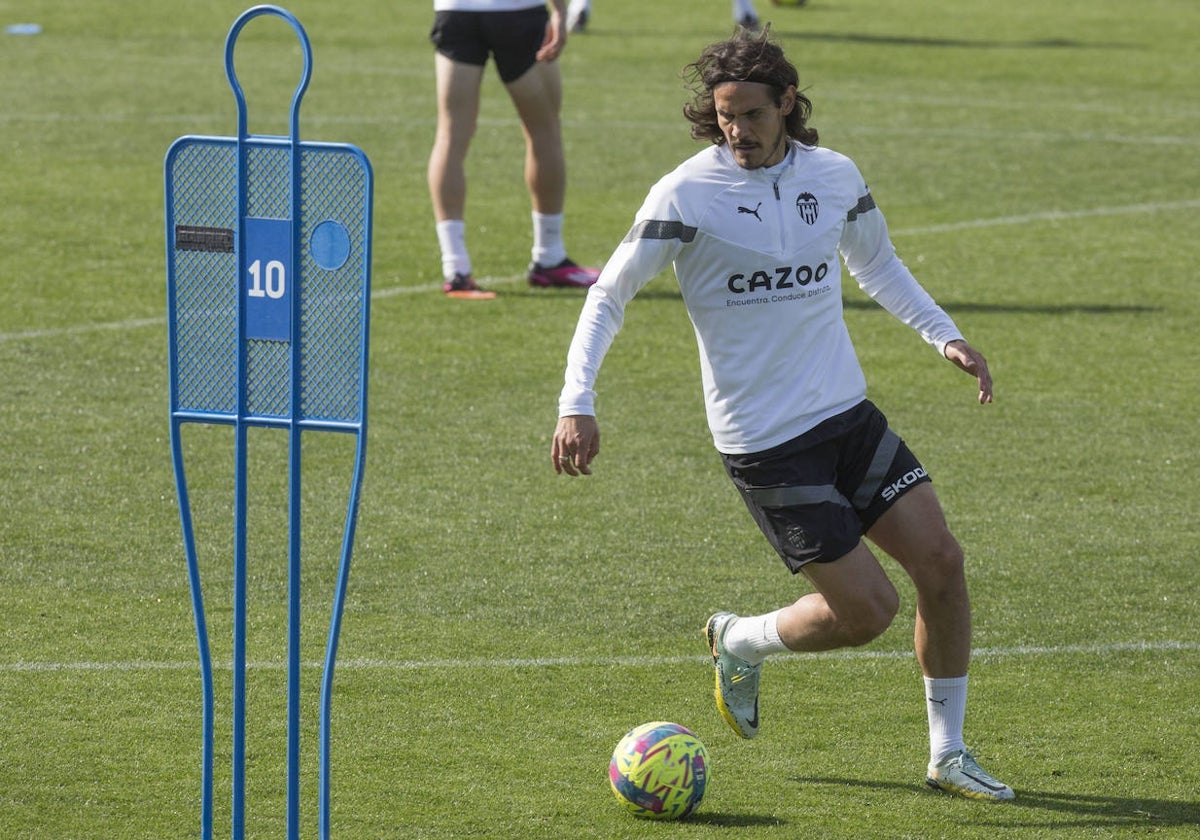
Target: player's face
<point x="753" y="124"/>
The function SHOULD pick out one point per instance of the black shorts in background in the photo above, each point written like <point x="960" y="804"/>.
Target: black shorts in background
<point x="512" y="38"/>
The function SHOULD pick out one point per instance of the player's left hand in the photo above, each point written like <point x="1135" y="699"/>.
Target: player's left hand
<point x="556" y="37"/>
<point x="972" y="361"/>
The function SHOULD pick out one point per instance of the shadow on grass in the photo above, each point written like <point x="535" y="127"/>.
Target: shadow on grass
<point x="784" y="30"/>
<point x="1082" y="811"/>
<point x="896" y="40"/>
<point x="923" y="41"/>
<point x="721" y="819"/>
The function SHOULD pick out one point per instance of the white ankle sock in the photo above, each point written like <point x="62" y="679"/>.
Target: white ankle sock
<point x="755" y="637"/>
<point x="946" y="703"/>
<point x="452" y="238"/>
<point x="548" y="249"/>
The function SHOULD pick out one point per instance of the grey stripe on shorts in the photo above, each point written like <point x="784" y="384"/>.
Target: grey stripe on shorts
<point x="801" y="494"/>
<point x="885" y="453"/>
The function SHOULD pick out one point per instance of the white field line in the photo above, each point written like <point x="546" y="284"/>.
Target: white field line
<point x="985" y="654"/>
<point x="1052" y="216"/>
<point x="392" y="291"/>
<point x="221" y="121"/>
<point x="136" y="323"/>
<point x="59" y="332"/>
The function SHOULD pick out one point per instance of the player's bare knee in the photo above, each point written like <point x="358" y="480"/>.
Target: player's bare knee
<point x="863" y="631"/>
<point x="885" y="613"/>
<point x="869" y="621"/>
<point x="940" y="577"/>
<point x="940" y="563"/>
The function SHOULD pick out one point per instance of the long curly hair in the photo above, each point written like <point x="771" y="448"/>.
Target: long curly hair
<point x="744" y="57"/>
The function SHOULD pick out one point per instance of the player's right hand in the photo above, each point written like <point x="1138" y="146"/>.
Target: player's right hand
<point x="576" y="443"/>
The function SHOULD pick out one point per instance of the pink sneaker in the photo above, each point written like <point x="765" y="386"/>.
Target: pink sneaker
<point x="565" y="275"/>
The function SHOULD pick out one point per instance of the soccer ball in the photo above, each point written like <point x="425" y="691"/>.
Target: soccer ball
<point x="659" y="770"/>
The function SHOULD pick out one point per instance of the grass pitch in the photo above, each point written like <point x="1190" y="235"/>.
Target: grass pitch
<point x="504" y="627"/>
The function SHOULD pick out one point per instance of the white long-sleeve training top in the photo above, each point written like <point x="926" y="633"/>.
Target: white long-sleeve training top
<point x="755" y="252"/>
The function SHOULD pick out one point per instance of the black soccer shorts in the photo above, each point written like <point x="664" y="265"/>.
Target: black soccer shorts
<point x="816" y="495"/>
<point x="512" y="38"/>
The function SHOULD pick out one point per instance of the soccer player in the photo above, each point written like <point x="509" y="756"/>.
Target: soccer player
<point x="525" y="39"/>
<point x="754" y="226"/>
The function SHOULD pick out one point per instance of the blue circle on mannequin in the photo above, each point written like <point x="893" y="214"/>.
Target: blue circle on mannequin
<point x="330" y="245"/>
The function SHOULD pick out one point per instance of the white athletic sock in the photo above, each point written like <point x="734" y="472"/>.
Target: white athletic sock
<point x="548" y="249"/>
<point x="452" y="238"/>
<point x="946" y="702"/>
<point x="577" y="7"/>
<point x="755" y="637"/>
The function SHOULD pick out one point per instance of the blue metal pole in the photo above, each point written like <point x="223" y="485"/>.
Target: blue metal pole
<point x="202" y="642"/>
<point x="335" y="625"/>
<point x="295" y="448"/>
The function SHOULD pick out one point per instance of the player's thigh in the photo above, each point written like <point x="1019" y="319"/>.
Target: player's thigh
<point x="915" y="533"/>
<point x="537" y="96"/>
<point x="458" y="91"/>
<point x="857" y="590"/>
